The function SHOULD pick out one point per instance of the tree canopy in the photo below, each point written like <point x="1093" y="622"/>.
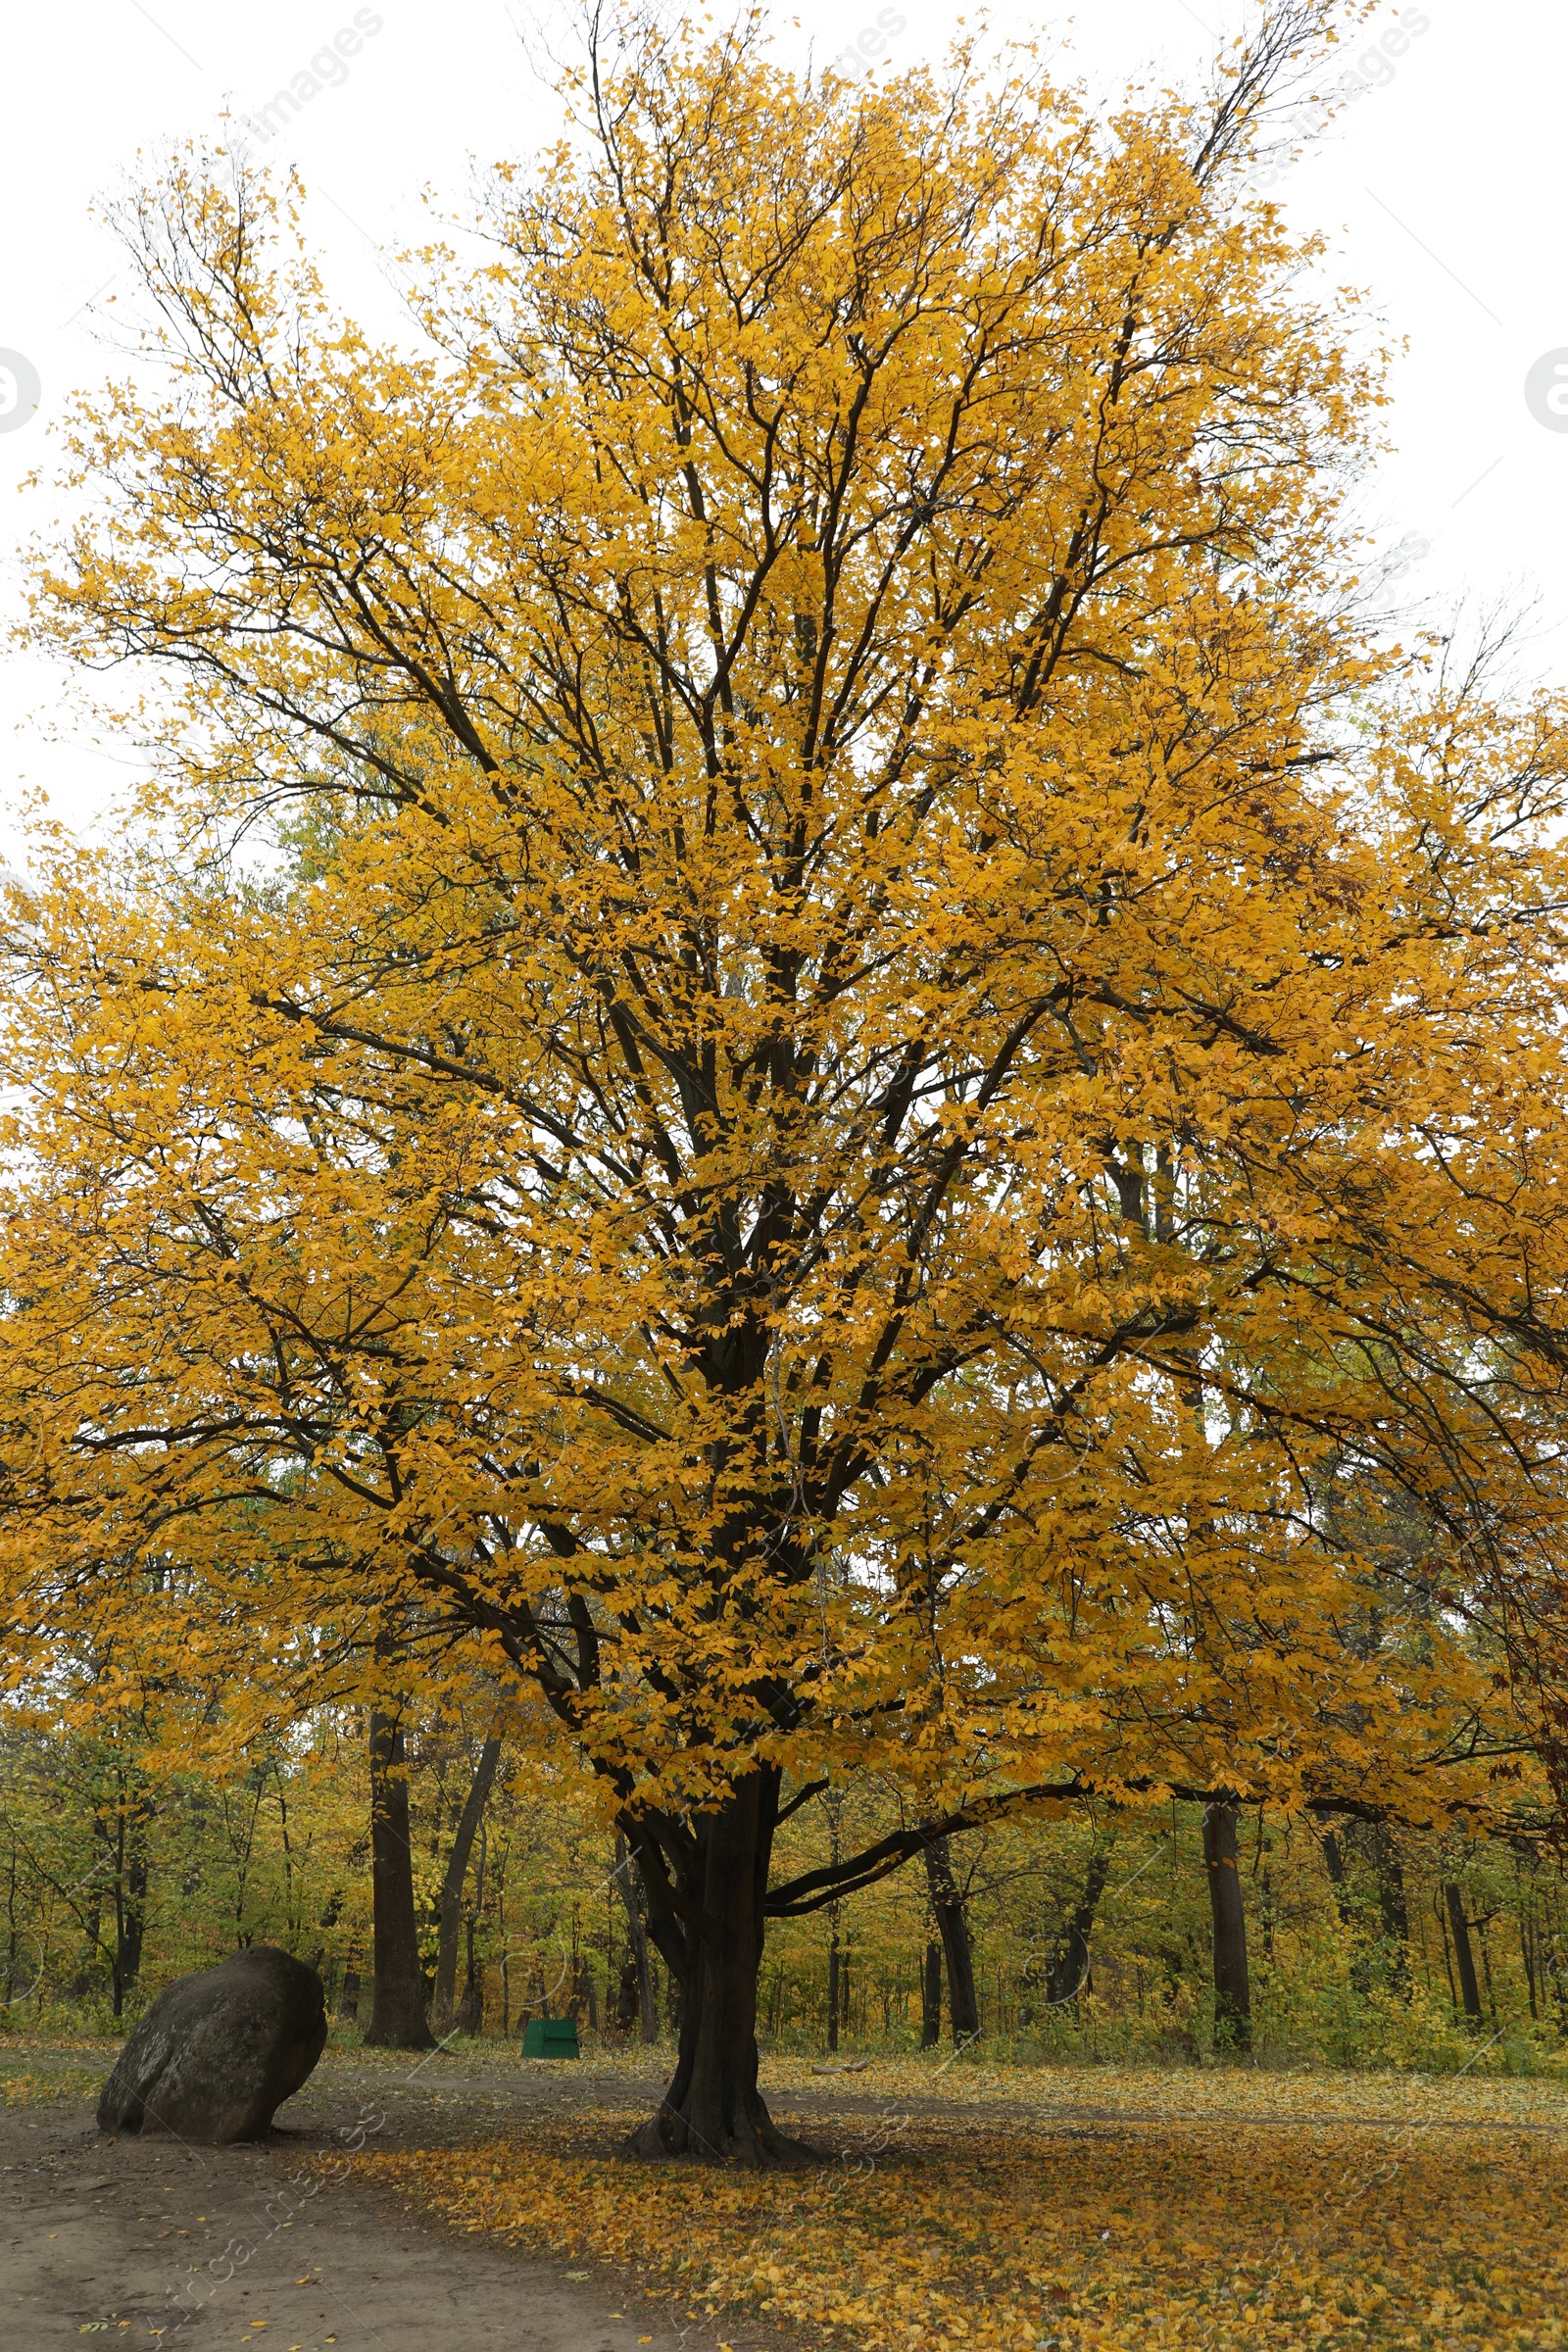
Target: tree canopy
<point x="813" y="1031"/>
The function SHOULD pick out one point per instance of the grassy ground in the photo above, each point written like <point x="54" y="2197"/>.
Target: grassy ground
<point x="35" y="2071"/>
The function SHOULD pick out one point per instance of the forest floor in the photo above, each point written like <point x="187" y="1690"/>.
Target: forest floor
<point x="471" y="2200"/>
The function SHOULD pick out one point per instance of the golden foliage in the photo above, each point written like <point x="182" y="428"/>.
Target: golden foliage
<point x="890" y="1095"/>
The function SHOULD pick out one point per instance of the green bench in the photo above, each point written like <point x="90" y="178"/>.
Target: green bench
<point x="551" y="2037"/>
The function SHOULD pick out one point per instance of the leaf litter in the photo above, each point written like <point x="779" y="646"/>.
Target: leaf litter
<point x="1241" y="2219"/>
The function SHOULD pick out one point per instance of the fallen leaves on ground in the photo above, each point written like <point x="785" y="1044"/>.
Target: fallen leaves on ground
<point x="991" y="2234"/>
<point x="1193" y="2091"/>
<point x="61" y="2082"/>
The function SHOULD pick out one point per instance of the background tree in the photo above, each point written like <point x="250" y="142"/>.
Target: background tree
<point x="851" y="1080"/>
<point x="1233" y="1988"/>
<point x="397" y="2012"/>
<point x="454" y="1879"/>
<point x="642" y="2007"/>
<point x="949" y="1910"/>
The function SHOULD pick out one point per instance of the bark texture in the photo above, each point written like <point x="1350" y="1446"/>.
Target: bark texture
<point x="455" y="1878"/>
<point x="1334" y="1857"/>
<point x="1233" y="1990"/>
<point x="1391" y="1900"/>
<point x="1069" y="1963"/>
<point x="931" y="1996"/>
<point x="397" y="2003"/>
<point x="833" y="1989"/>
<point x="706" y="1885"/>
<point x="470" y="2009"/>
<point x="952" y="1926"/>
<point x="631" y="1895"/>
<point x="1464" y="1952"/>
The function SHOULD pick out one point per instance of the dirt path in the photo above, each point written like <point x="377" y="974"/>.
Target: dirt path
<point x="143" y="2240"/>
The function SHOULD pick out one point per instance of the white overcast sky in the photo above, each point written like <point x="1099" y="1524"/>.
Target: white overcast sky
<point x="1440" y="188"/>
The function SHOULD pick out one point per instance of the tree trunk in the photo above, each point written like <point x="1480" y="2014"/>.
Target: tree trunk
<point x="1233" y="1991"/>
<point x="1070" y="1964"/>
<point x="630" y="1884"/>
<point x="931" y="1996"/>
<point x="1527" y="1952"/>
<point x="1464" y="1956"/>
<point x="132" y="1923"/>
<point x="706" y="1883"/>
<point x="1391" y="1900"/>
<point x="585" y="1992"/>
<point x="1334" y="1856"/>
<point x="92" y="1928"/>
<point x="470" y="2009"/>
<point x="1393" y="1903"/>
<point x="626" y="1995"/>
<point x="397" y="2004"/>
<point x="833" y="1989"/>
<point x="1391" y="1881"/>
<point x="136" y="1928"/>
<point x="953" y="1924"/>
<point x="454" y="1880"/>
<point x="129" y="1889"/>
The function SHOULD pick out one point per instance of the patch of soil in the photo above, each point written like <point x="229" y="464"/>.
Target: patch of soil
<point x="142" y="2240"/>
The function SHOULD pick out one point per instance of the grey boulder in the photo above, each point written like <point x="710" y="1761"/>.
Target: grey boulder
<point x="218" y="2052"/>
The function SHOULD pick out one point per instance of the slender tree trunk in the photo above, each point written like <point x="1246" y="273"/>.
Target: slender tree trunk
<point x="1391" y="1881"/>
<point x="92" y="1928"/>
<point x="626" y="1995"/>
<point x="585" y="1992"/>
<point x="1485" y="1970"/>
<point x="706" y="1883"/>
<point x="931" y="1995"/>
<point x="1527" y="1952"/>
<point x="129" y="1891"/>
<point x="470" y="2009"/>
<point x="833" y="1989"/>
<point x="1233" y="1990"/>
<point x="953" y="1924"/>
<point x="397" y="2005"/>
<point x="454" y="1878"/>
<point x="1334" y="1857"/>
<point x="1069" y="1963"/>
<point x="1392" y="1902"/>
<point x="134" y="1894"/>
<point x="1463" y="1953"/>
<point x="133" y="1913"/>
<point x="630" y="1884"/>
<point x="13" y="1932"/>
<point x="1442" y="1909"/>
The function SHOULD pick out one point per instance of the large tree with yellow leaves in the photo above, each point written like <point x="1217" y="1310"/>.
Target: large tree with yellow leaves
<point x="882" y="1043"/>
